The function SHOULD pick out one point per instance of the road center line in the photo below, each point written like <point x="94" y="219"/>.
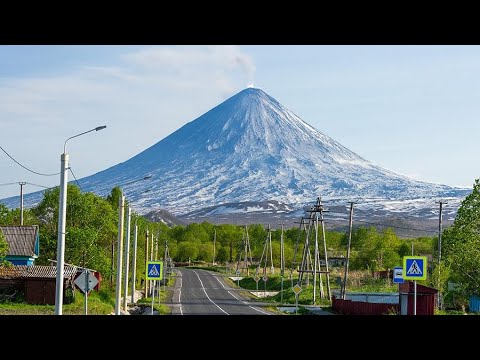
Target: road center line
<point x="253" y="307"/>
<point x="250" y="306"/>
<point x="208" y="297"/>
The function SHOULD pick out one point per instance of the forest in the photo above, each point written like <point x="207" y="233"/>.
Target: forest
<point x="92" y="229"/>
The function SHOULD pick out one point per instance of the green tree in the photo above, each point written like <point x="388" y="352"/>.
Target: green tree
<point x="461" y="244"/>
<point x="221" y="255"/>
<point x="3" y="249"/>
<point x="187" y="250"/>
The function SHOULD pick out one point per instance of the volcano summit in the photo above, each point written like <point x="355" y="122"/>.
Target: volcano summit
<point x="251" y="149"/>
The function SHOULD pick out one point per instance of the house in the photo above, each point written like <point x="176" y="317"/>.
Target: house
<point x="23" y="243"/>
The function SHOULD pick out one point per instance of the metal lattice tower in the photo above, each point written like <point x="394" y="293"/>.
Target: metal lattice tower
<point x="245" y="254"/>
<point x="311" y="264"/>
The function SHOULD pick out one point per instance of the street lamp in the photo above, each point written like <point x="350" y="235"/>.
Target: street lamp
<point x="62" y="216"/>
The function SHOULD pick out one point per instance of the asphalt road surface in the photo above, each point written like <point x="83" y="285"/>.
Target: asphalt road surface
<point x="202" y="292"/>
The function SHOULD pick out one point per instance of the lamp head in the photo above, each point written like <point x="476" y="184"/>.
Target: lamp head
<point x="100" y="127"/>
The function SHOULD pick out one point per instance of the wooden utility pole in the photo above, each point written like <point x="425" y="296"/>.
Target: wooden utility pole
<point x="214" y="240"/>
<point x="308" y="264"/>
<point x="246" y="251"/>
<point x="344" y="287"/>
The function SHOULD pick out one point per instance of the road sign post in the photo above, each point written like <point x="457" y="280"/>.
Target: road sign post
<point x="415" y="268"/>
<point x="257" y="279"/>
<point x="86" y="283"/>
<point x="296" y="289"/>
<point x="265" y="278"/>
<point x="154" y="272"/>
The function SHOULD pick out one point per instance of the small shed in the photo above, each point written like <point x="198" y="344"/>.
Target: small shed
<point x="426" y="299"/>
<point x="38" y="282"/>
<point x="23" y="243"/>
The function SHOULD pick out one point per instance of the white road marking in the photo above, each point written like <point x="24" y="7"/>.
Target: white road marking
<point x="253" y="307"/>
<point x="180" y="294"/>
<point x="208" y="297"/>
<point x="250" y="306"/>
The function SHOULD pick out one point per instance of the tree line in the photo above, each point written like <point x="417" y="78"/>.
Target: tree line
<point x="92" y="226"/>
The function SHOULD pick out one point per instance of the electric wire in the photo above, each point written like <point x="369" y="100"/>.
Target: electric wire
<point x="35" y="172"/>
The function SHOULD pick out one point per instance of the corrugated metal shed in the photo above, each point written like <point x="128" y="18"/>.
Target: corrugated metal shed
<point x="38" y="282"/>
<point x="21" y="239"/>
<point x="426" y="299"/>
<point x="36" y="271"/>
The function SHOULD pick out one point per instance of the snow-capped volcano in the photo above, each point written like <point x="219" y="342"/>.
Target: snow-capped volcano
<point x="251" y="148"/>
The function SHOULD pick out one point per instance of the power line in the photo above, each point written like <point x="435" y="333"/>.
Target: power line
<point x="45" y="187"/>
<point x="392" y="226"/>
<point x="75" y="178"/>
<point x="35" y="172"/>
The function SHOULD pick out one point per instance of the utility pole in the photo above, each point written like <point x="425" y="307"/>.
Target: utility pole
<point x="348" y="251"/>
<point x="134" y="260"/>
<point x="214" y="239"/>
<point x="441" y="202"/>
<point x="146" y="259"/>
<point x="21" y="201"/>
<point x="126" y="263"/>
<point x="118" y="287"/>
<point x="282" y="264"/>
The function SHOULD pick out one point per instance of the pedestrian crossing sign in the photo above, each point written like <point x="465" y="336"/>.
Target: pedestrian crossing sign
<point x="154" y="270"/>
<point x="414" y="268"/>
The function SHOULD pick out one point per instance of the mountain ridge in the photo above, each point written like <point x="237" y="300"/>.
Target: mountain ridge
<point x="251" y="148"/>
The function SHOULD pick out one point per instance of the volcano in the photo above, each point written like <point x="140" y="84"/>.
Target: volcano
<point x="250" y="149"/>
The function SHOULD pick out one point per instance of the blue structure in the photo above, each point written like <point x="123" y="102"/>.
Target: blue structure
<point x="474" y="304"/>
<point x="23" y="244"/>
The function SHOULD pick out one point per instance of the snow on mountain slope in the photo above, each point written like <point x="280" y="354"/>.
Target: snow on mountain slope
<point x="251" y="149"/>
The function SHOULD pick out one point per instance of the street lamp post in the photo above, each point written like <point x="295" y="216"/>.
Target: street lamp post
<point x="62" y="216"/>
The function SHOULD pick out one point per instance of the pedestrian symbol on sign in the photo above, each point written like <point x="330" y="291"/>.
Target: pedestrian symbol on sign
<point x="154" y="270"/>
<point x="414" y="269"/>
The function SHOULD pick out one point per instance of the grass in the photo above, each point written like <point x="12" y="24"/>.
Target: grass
<point x="165" y="296"/>
<point x="99" y="303"/>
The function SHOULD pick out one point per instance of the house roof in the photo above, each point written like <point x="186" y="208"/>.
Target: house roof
<point x="20" y="239"/>
<point x="36" y="271"/>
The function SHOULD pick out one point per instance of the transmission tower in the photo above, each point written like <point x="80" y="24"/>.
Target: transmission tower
<point x="245" y="254"/>
<point x="311" y="264"/>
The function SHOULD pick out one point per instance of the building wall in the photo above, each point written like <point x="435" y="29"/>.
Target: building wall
<point x="19" y="260"/>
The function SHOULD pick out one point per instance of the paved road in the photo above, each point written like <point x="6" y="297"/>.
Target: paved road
<point x="201" y="292"/>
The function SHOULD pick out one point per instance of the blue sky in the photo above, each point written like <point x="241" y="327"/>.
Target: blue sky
<point x="410" y="109"/>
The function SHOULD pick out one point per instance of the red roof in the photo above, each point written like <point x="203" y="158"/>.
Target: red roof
<point x="407" y="287"/>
